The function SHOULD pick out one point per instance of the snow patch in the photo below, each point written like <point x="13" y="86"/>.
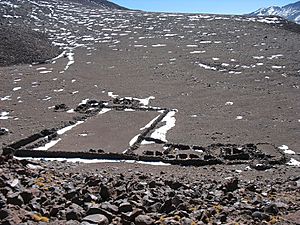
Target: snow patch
<point x="161" y="133"/>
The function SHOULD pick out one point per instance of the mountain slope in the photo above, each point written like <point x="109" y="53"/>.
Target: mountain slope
<point x="290" y="12"/>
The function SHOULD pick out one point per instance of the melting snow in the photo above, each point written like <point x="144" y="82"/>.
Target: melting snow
<point x="160" y="133"/>
<point x="17" y="88"/>
<point x="286" y="150"/>
<point x="64" y="130"/>
<point x="48" y="145"/>
<point x="104" y="110"/>
<point x="88" y="161"/>
<point x="4" y="115"/>
<point x="159" y="45"/>
<point x="293" y="162"/>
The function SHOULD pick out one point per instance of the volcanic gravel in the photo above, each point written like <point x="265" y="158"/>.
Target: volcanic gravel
<point x="62" y="193"/>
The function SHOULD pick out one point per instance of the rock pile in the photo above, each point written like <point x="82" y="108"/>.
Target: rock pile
<point x="36" y="193"/>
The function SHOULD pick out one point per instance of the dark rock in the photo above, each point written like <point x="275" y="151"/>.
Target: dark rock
<point x="4" y="213"/>
<point x="3" y="131"/>
<point x="27" y="196"/>
<point x="104" y="192"/>
<point x="125" y="207"/>
<point x="96" y="219"/>
<point x="231" y="185"/>
<point x="73" y="214"/>
<point x="174" y="184"/>
<point x="15" y="199"/>
<point x="272" y="209"/>
<point x="54" y="210"/>
<point x="61" y="107"/>
<point x="260" y="215"/>
<point x="167" y="207"/>
<point x="143" y="220"/>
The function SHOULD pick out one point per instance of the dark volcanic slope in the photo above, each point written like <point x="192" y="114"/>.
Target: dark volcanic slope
<point x="19" y="45"/>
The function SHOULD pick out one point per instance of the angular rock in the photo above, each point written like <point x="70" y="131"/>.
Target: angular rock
<point x="143" y="220"/>
<point x="15" y="199"/>
<point x="125" y="207"/>
<point x="96" y="219"/>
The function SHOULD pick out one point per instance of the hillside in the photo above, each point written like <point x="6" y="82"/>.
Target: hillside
<point x="290" y="12"/>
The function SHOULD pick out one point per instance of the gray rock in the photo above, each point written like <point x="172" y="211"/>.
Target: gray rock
<point x="143" y="220"/>
<point x="272" y="209"/>
<point x="96" y="219"/>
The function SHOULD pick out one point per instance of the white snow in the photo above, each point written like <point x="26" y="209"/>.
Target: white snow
<point x="48" y="145"/>
<point x="293" y="162"/>
<point x="286" y="150"/>
<point x="159" y="45"/>
<point x="192" y="46"/>
<point x="197" y="52"/>
<point x="84" y="101"/>
<point x="161" y="132"/>
<point x="207" y="67"/>
<point x="111" y="94"/>
<point x="133" y="140"/>
<point x="70" y="56"/>
<point x="17" y="88"/>
<point x="104" y="110"/>
<point x="64" y="130"/>
<point x="4" y="115"/>
<point x="45" y="71"/>
<point x="88" y="161"/>
<point x="278" y="67"/>
<point x="71" y="111"/>
<point x="144" y="101"/>
<point x="229" y="103"/>
<point x="239" y="118"/>
<point x="6" y="98"/>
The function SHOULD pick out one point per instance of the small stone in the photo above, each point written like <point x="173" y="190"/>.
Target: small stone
<point x="15" y="199"/>
<point x="143" y="220"/>
<point x="4" y="213"/>
<point x="96" y="219"/>
<point x="260" y="216"/>
<point x="125" y="207"/>
<point x="272" y="209"/>
<point x="231" y="185"/>
<point x="73" y="215"/>
<point x="186" y="221"/>
<point x="27" y="196"/>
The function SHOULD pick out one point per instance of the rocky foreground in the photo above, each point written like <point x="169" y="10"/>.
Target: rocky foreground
<point x="36" y="193"/>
